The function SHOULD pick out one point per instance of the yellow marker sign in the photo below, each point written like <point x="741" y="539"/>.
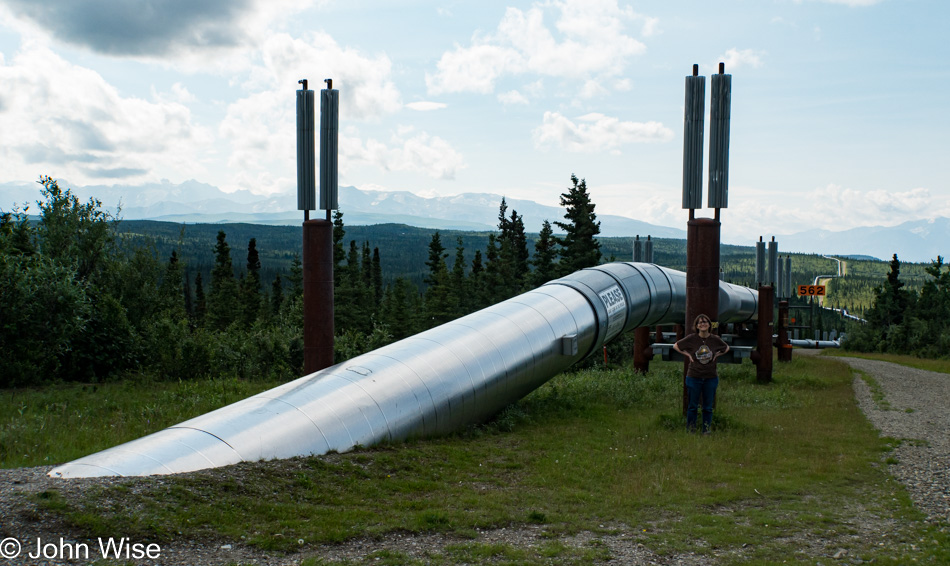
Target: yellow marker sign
<point x="811" y="290"/>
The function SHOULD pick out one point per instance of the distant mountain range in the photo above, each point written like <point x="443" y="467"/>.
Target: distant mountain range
<point x="915" y="241"/>
<point x="195" y="202"/>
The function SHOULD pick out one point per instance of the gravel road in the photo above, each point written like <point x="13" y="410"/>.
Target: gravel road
<point x="915" y="410"/>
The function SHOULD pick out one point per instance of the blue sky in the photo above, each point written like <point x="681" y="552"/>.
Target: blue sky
<point x="839" y="108"/>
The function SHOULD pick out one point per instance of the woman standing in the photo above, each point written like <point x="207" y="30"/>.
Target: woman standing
<point x="702" y="348"/>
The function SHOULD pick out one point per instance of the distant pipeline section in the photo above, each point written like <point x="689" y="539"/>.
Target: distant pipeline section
<point x="430" y="384"/>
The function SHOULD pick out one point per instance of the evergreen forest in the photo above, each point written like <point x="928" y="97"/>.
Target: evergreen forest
<point x="88" y="297"/>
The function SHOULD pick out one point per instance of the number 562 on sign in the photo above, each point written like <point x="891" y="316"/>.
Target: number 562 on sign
<point x="811" y="290"/>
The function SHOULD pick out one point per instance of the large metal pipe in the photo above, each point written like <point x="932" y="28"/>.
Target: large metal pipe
<point x="429" y="384"/>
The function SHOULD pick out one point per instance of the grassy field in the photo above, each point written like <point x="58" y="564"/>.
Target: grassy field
<point x="792" y="472"/>
<point x="59" y="423"/>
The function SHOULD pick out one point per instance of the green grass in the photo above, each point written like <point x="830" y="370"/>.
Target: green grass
<point x="877" y="392"/>
<point x="603" y="452"/>
<point x="56" y="424"/>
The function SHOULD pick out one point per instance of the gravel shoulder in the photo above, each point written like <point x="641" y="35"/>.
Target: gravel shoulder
<point x="913" y="409"/>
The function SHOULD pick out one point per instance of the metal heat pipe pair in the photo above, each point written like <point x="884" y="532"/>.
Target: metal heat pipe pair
<point x="433" y="383"/>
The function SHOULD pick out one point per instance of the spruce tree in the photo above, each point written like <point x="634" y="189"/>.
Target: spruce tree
<point x="933" y="311"/>
<point x="224" y="288"/>
<point x="440" y="304"/>
<point x="276" y="295"/>
<point x="511" y="271"/>
<point x="189" y="300"/>
<point x="436" y="261"/>
<point x="492" y="289"/>
<point x="399" y="309"/>
<point x="891" y="299"/>
<point x="339" y="254"/>
<point x="545" y="256"/>
<point x="377" y="280"/>
<point x="16" y="234"/>
<point x="201" y="303"/>
<point x="579" y="246"/>
<point x="366" y="274"/>
<point x="459" y="283"/>
<point x="477" y="267"/>
<point x="296" y="278"/>
<point x="476" y="283"/>
<point x="170" y="291"/>
<point x="251" y="285"/>
<point x="350" y="313"/>
<point x="519" y="248"/>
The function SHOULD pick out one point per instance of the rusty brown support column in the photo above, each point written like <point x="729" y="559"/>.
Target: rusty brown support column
<point x="763" y="372"/>
<point x="317" y="295"/>
<point x="680" y="334"/>
<point x="641" y="350"/>
<point x="784" y="348"/>
<point x="702" y="276"/>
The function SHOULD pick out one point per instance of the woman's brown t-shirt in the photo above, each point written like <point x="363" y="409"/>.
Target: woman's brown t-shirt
<point x="704" y="352"/>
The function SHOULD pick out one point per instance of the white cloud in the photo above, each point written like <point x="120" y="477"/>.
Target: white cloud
<point x="535" y="89"/>
<point x="365" y="82"/>
<point x="763" y="214"/>
<point x="588" y="42"/>
<point x="623" y="85"/>
<point x="474" y="69"/>
<point x="873" y="207"/>
<point x="66" y="121"/>
<point x="419" y="152"/>
<point x="425" y="106"/>
<point x="258" y="135"/>
<point x="259" y="127"/>
<point x="651" y="27"/>
<point x="649" y="202"/>
<point x="596" y="132"/>
<point x="179" y="93"/>
<point x="738" y="58"/>
<point x="592" y="88"/>
<point x="512" y="97"/>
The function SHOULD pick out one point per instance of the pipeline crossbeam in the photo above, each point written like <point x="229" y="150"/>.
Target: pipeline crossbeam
<point x="433" y="383"/>
<point x="806" y="343"/>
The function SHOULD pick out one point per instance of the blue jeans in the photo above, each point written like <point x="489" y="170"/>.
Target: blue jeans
<point x="696" y="388"/>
